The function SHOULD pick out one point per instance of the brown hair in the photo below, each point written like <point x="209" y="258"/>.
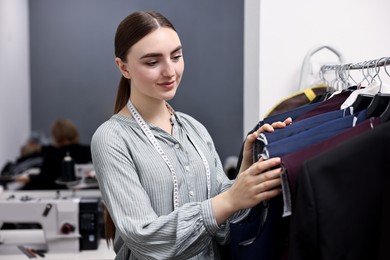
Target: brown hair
<point x="132" y="29"/>
<point x="64" y="132"/>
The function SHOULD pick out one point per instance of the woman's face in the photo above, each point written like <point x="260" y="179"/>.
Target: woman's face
<point x="155" y="65"/>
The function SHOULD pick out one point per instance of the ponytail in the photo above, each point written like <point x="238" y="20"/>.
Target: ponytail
<point x="123" y="95"/>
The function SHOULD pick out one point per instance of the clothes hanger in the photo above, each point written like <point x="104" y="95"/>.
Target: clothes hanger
<point x="365" y="76"/>
<point x="354" y="85"/>
<point x="378" y="105"/>
<point x="362" y="101"/>
<point x="380" y="100"/>
<point x="385" y="116"/>
<point x="340" y="82"/>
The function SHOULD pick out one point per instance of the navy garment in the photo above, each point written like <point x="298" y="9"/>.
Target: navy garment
<point x="294" y="113"/>
<point x="297" y="127"/>
<point x="271" y="236"/>
<point x="312" y="136"/>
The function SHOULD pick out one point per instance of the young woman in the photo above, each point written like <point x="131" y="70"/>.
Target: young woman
<point x="159" y="173"/>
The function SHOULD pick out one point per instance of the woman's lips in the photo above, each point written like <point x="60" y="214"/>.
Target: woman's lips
<point x="169" y="84"/>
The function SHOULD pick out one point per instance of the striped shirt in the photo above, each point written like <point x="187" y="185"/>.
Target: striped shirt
<point x="137" y="188"/>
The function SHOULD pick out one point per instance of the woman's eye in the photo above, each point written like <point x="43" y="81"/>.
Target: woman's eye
<point x="151" y="63"/>
<point x="176" y="57"/>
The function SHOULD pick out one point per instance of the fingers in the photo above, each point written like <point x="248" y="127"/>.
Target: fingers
<point x="268" y="186"/>
<point x="250" y="139"/>
<point x="261" y="181"/>
<point x="269" y="194"/>
<point x="267" y="128"/>
<point x="271" y="127"/>
<point x="266" y="182"/>
<point x="269" y="181"/>
<point x="263" y="167"/>
<point x="288" y="121"/>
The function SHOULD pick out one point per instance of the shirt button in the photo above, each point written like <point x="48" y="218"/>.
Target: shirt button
<point x="177" y="146"/>
<point x="187" y="168"/>
<point x="192" y="193"/>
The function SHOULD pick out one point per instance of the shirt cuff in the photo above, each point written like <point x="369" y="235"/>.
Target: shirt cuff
<point x="208" y="217"/>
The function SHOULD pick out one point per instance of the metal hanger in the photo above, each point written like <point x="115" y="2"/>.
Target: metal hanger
<point x="385" y="116"/>
<point x="381" y="100"/>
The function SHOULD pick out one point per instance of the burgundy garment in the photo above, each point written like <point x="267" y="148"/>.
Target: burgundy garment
<point x="294" y="161"/>
<point x="332" y="104"/>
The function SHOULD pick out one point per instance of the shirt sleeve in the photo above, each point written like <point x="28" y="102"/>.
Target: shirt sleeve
<point x="223" y="183"/>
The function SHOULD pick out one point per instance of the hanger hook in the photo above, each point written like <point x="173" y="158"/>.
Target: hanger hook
<point x="370" y="64"/>
<point x="363" y="65"/>
<point x="349" y="73"/>
<point x="345" y="73"/>
<point x="385" y="66"/>
<point x="377" y="70"/>
<point x="341" y="76"/>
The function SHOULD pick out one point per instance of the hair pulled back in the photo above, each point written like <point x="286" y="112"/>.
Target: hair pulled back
<point x="132" y="29"/>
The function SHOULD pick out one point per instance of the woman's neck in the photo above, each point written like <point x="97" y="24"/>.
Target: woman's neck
<point x="155" y="113"/>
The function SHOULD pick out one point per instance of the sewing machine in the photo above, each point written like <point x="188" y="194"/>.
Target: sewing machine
<point x="70" y="221"/>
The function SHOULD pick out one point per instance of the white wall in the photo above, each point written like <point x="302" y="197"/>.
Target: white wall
<point x="251" y="63"/>
<point x="288" y="29"/>
<point x="15" y="78"/>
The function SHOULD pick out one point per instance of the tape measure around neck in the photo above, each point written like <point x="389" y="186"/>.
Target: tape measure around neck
<point x="145" y="128"/>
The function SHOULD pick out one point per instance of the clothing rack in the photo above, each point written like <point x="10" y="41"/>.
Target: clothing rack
<point x="369" y="69"/>
<point x="381" y="62"/>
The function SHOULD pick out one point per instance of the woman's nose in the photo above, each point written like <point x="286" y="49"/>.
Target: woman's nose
<point x="169" y="70"/>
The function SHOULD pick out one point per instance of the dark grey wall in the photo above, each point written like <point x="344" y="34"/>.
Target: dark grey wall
<point x="74" y="75"/>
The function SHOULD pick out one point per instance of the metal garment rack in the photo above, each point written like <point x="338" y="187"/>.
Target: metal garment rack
<point x="381" y="62"/>
<point x="370" y="69"/>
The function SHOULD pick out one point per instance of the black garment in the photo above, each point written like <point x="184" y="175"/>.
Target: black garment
<point x="12" y="169"/>
<point x="342" y="201"/>
<point x="51" y="166"/>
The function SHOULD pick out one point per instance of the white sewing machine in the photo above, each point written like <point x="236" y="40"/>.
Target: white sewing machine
<point x="57" y="212"/>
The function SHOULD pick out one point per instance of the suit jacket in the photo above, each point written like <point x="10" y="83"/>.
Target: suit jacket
<point x="342" y="205"/>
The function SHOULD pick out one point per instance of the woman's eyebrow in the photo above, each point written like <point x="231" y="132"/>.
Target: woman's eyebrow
<point x="157" y="54"/>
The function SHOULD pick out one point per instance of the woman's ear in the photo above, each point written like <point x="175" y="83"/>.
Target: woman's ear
<point x="123" y="67"/>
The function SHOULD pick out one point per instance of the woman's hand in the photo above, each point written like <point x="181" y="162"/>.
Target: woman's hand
<point x="261" y="181"/>
<point x="247" y="158"/>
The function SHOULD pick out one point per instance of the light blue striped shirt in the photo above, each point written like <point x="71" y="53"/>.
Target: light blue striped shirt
<point x="137" y="187"/>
